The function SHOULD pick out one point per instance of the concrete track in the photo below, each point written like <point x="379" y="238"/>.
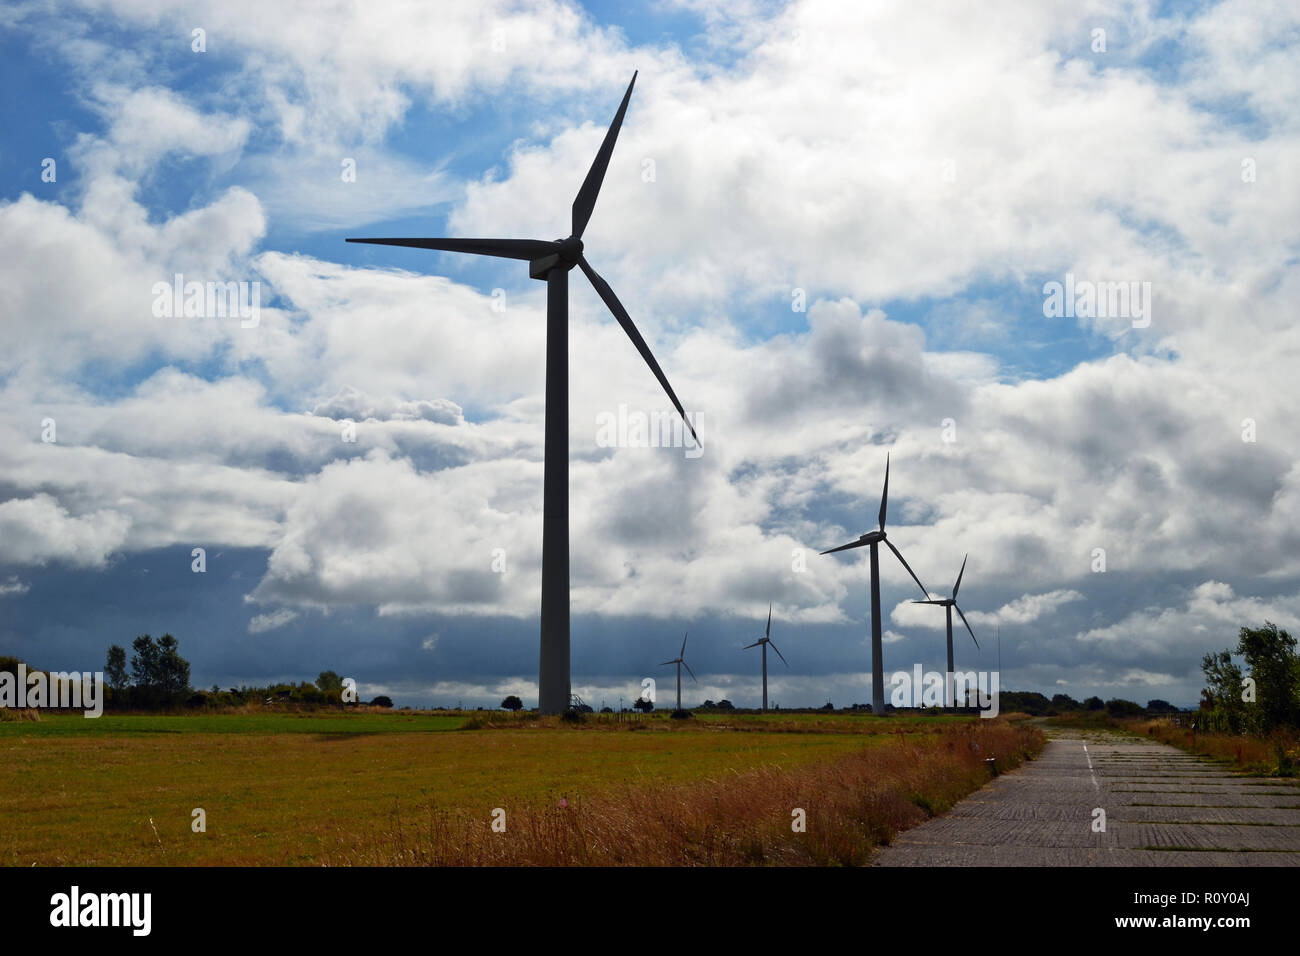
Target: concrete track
<point x="1162" y="807"/>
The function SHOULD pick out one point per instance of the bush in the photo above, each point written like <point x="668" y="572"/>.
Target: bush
<point x="1117" y="707"/>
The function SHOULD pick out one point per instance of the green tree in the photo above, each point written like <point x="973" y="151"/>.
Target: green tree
<point x="1118" y="707"/>
<point x="1270" y="654"/>
<point x="512" y="703"/>
<point x="173" y="670"/>
<point x="1222" y="692"/>
<point x="1094" y="703"/>
<point x="328" y="681"/>
<point x="144" y="664"/>
<point x="115" y="668"/>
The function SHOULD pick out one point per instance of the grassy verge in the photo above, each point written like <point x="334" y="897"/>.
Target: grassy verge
<point x="1277" y="755"/>
<point x="849" y="806"/>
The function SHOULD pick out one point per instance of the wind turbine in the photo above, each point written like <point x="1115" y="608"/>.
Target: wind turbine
<point x="551" y="260"/>
<point x="873" y="539"/>
<point x="680" y="661"/>
<point x="949" y="604"/>
<point x="763" y="641"/>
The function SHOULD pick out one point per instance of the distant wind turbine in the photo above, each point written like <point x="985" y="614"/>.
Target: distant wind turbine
<point x="872" y="539"/>
<point x="680" y="661"/>
<point x="763" y="641"/>
<point x="551" y="261"/>
<point x="950" y="604"/>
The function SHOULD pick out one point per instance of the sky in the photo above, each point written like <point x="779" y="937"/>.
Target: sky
<point x="841" y="227"/>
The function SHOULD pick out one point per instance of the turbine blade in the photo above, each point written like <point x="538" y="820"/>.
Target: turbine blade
<point x="845" y="547"/>
<point x="957" y="586"/>
<point x="666" y="663"/>
<point x="682" y="652"/>
<point x="926" y="602"/>
<point x="780" y="655"/>
<point x="768" y="632"/>
<point x="586" y="198"/>
<point x="884" y="496"/>
<point x="967" y="623"/>
<point x="748" y="646"/>
<point x="620" y="313"/>
<point x="501" y="248"/>
<point x="689" y="671"/>
<point x="899" y="555"/>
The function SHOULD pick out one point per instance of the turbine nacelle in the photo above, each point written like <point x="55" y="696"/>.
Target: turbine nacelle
<point x="567" y="254"/>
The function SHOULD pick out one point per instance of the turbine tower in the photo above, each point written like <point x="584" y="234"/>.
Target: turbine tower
<point x="763" y="641"/>
<point x="680" y="661"/>
<point x="949" y="604"/>
<point x="551" y="261"/>
<point x="873" y="539"/>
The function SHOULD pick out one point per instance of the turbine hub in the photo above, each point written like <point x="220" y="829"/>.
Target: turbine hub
<point x="571" y="250"/>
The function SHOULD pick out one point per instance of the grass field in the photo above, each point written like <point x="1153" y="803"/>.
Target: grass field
<point x="286" y="788"/>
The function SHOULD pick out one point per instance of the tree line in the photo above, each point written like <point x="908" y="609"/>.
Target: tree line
<point x="159" y="679"/>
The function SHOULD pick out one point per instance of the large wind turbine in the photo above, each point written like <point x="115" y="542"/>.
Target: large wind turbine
<point x="872" y="539"/>
<point x="949" y="604"/>
<point x="763" y="641"/>
<point x="680" y="661"/>
<point x="551" y="261"/>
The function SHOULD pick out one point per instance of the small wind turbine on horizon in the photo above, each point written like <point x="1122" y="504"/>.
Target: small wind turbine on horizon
<point x="949" y="604"/>
<point x="551" y="260"/>
<point x="680" y="661"/>
<point x="763" y="642"/>
<point x="872" y="539"/>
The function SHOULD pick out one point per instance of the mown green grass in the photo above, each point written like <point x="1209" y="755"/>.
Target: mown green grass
<point x="54" y="724"/>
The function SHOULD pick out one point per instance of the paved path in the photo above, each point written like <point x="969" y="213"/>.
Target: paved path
<point x="1163" y="807"/>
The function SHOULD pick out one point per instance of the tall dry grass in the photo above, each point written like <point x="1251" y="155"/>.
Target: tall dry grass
<point x="19" y="715"/>
<point x="1275" y="755"/>
<point x="852" y="806"/>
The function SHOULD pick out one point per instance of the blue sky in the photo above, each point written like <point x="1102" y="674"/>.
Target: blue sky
<point x="915" y="174"/>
